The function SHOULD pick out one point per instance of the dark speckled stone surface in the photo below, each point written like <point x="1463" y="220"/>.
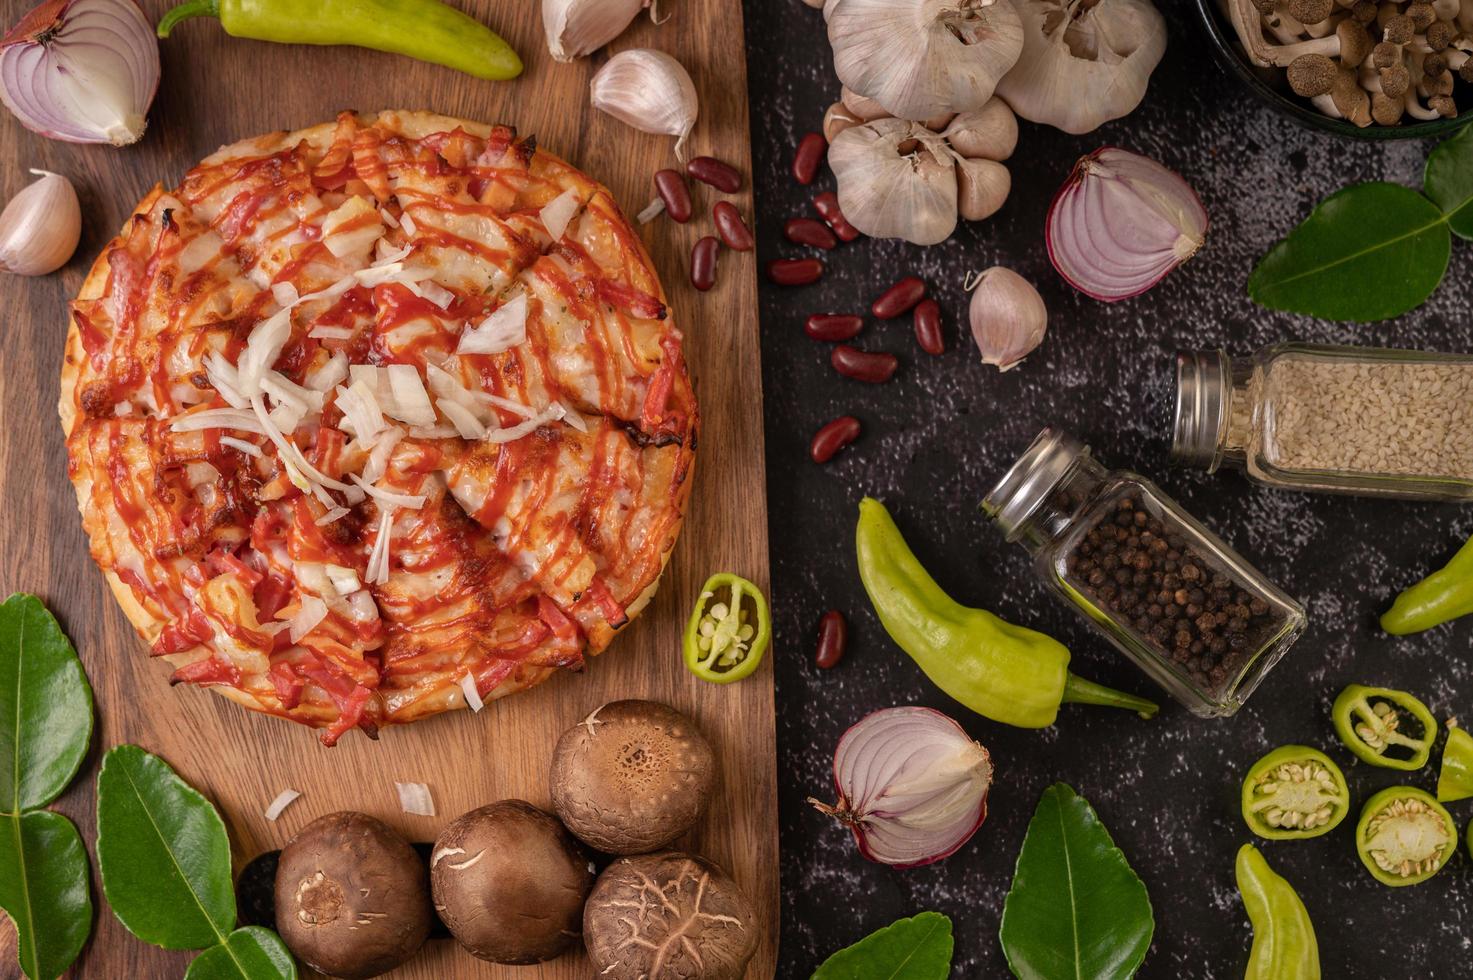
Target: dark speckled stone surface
<point x="937" y="437"/>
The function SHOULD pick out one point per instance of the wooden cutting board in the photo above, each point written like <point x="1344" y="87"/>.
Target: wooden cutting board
<point x="215" y="90"/>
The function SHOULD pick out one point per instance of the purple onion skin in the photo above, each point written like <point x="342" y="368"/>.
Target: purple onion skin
<point x="1076" y="177"/>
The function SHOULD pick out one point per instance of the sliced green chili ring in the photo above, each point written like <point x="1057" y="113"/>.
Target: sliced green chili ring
<point x="1455" y="778"/>
<point x="728" y="630"/>
<point x="1404" y="836"/>
<point x="1293" y="793"/>
<point x="1376" y="723"/>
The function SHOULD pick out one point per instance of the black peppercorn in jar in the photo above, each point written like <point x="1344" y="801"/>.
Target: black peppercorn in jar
<point x="1166" y="591"/>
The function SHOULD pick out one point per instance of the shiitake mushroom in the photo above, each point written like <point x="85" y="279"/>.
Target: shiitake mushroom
<point x="632" y="777"/>
<point x="668" y="915"/>
<point x="509" y="882"/>
<point x="352" y="896"/>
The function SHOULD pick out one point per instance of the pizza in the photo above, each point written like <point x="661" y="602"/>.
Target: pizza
<point x="377" y="419"/>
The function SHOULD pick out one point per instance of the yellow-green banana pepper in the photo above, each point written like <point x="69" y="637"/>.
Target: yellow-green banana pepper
<point x="1445" y="594"/>
<point x="1284" y="947"/>
<point x="1455" y="778"/>
<point x="1008" y="673"/>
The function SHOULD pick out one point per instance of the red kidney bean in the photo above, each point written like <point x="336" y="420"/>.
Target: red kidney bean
<point x="794" y="272"/>
<point x="833" y="437"/>
<point x="709" y="170"/>
<point x="672" y="190"/>
<point x="703" y="263"/>
<point x="899" y="298"/>
<point x="827" y="206"/>
<point x="806" y="231"/>
<point x="862" y="365"/>
<point x="833" y="326"/>
<point x="810" y="153"/>
<point x="730" y="226"/>
<point x="928" y="327"/>
<point x="833" y="632"/>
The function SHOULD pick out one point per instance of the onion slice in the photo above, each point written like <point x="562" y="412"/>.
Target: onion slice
<point x="912" y="786"/>
<point x="1120" y="223"/>
<point x="83" y="71"/>
<point x="283" y="800"/>
<point x="415" y="798"/>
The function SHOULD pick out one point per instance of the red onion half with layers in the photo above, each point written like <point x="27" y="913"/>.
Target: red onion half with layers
<point x="912" y="786"/>
<point x="83" y="71"/>
<point x="1120" y="223"/>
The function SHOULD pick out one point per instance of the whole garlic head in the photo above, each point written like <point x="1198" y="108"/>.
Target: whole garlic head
<point x="923" y="58"/>
<point x="896" y="179"/>
<point x="1084" y="62"/>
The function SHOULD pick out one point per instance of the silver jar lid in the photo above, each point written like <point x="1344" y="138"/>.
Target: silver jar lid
<point x="1202" y="379"/>
<point x="1025" y="486"/>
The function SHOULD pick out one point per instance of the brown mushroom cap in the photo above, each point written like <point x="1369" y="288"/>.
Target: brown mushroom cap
<point x="1398" y="29"/>
<point x="632" y="776"/>
<point x="509" y="883"/>
<point x="1355" y="42"/>
<point x="1395" y="80"/>
<point x="1422" y="15"/>
<point x="352" y="896"/>
<point x="1312" y="74"/>
<point x="1311" y="11"/>
<point x="676" y="910"/>
<point x="1386" y="110"/>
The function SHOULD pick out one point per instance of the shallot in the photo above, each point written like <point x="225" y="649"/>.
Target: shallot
<point x="912" y="786"/>
<point x="83" y="71"/>
<point x="1120" y="223"/>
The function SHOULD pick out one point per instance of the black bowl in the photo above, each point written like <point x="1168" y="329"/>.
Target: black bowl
<point x="1270" y="86"/>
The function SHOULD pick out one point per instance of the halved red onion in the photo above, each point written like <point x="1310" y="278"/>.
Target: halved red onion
<point x="912" y="786"/>
<point x="1120" y="223"/>
<point x="84" y="71"/>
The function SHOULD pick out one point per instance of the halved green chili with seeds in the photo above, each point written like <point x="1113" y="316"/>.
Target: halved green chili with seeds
<point x="1404" y="836"/>
<point x="1385" y="727"/>
<point x="1284" y="946"/>
<point x="1293" y="793"/>
<point x="728" y="630"/>
<point x="1455" y="778"/>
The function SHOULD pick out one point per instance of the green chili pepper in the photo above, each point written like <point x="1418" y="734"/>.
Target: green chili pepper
<point x="1404" y="836"/>
<point x="1372" y="722"/>
<point x="1445" y="594"/>
<point x="1294" y="792"/>
<point x="1455" y="778"/>
<point x="1007" y="673"/>
<point x="423" y="29"/>
<point x="1284" y="947"/>
<point x="721" y="643"/>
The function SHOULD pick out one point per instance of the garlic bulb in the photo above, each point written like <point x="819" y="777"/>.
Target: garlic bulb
<point x="648" y="90"/>
<point x="982" y="187"/>
<point x="40" y="227"/>
<point x="1084" y="62"/>
<point x="575" y="28"/>
<point x="988" y="133"/>
<point x="896" y="180"/>
<point x="922" y="58"/>
<point x="1007" y="315"/>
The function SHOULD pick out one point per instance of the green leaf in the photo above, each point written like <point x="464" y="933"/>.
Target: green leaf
<point x="918" y="948"/>
<point x="45" y="706"/>
<point x="43" y="888"/>
<point x="251" y="953"/>
<point x="1368" y="252"/>
<point x="1076" y="909"/>
<point x="163" y="853"/>
<point x="1449" y="181"/>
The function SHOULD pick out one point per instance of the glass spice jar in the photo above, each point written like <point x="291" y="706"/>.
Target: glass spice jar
<point x="1361" y="420"/>
<point x="1175" y="599"/>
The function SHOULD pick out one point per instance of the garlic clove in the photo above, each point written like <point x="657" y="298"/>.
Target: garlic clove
<point x="575" y="28"/>
<point x="1007" y="316"/>
<point x="988" y="133"/>
<point x="982" y="187"/>
<point x="40" y="227"/>
<point x="1086" y="65"/>
<point x="861" y="107"/>
<point x="922" y="58"/>
<point x="837" y="119"/>
<point x="648" y="90"/>
<point x="939" y="122"/>
<point x="896" y="180"/>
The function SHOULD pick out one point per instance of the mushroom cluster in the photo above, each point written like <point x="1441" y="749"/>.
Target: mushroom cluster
<point x="511" y="883"/>
<point x="911" y="180"/>
<point x="1360" y="60"/>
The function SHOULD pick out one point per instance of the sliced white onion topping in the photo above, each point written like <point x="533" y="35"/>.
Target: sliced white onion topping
<point x="262" y="349"/>
<point x="313" y="611"/>
<point x="406" y="221"/>
<point x="326" y="332"/>
<point x="217" y="418"/>
<point x="225" y="379"/>
<point x="249" y="448"/>
<point x="467" y="426"/>
<point x="411" y="401"/>
<point x="557" y="213"/>
<point x="329" y="375"/>
<point x="472" y="695"/>
<point x="552" y="413"/>
<point x="504" y="329"/>
<point x="361" y="413"/>
<point x="284" y="293"/>
<point x="415" y="798"/>
<point x="412" y="501"/>
<point x="377" y="572"/>
<point x="344" y="580"/>
<point x="332" y="515"/>
<point x="283" y="800"/>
